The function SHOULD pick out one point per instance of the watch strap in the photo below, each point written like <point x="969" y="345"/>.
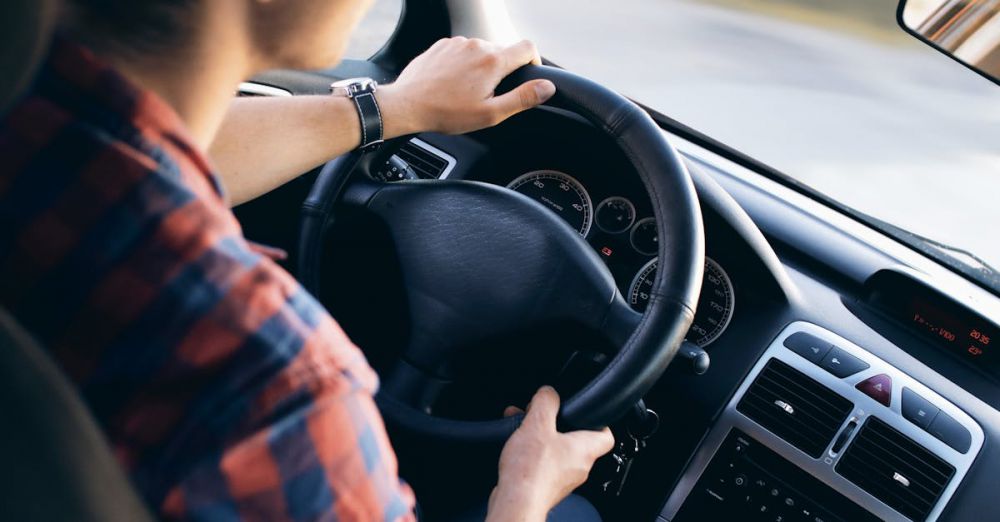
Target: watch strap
<point x="371" y="120"/>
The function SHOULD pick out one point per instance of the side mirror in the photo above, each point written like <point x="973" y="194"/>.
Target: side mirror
<point x="966" y="30"/>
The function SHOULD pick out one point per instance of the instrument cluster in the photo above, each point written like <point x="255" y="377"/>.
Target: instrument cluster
<point x="624" y="233"/>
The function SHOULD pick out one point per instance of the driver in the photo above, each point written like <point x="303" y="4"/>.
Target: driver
<point x="225" y="389"/>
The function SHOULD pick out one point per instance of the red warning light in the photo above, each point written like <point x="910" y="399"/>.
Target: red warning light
<point x="606" y="251"/>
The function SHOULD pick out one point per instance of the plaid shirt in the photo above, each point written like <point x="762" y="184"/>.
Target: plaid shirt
<point x="225" y="389"/>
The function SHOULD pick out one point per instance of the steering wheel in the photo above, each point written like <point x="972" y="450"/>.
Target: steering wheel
<point x="480" y="260"/>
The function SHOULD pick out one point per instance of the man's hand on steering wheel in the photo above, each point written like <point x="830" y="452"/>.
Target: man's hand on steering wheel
<point x="540" y="466"/>
<point x="449" y="88"/>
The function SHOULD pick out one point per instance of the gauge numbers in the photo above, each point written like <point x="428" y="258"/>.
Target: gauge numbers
<point x="615" y="215"/>
<point x="560" y="193"/>
<point x="715" y="306"/>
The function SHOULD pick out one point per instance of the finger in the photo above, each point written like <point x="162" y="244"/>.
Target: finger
<point x="510" y="411"/>
<point x="544" y="407"/>
<point x="445" y="42"/>
<point x="525" y="96"/>
<point x="521" y="53"/>
<point x="593" y="443"/>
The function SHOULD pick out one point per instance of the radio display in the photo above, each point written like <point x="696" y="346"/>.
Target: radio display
<point x="971" y="339"/>
<point x="942" y="321"/>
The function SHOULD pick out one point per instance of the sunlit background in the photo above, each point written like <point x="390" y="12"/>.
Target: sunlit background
<point x="830" y="92"/>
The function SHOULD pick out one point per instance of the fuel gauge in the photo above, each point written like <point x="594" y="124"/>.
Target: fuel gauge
<point x="615" y="215"/>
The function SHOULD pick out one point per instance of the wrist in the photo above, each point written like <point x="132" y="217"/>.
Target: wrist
<point x="518" y="502"/>
<point x="399" y="114"/>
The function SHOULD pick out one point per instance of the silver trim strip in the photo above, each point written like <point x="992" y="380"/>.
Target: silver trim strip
<point x="439" y="153"/>
<point x="259" y="89"/>
<point x="864" y="406"/>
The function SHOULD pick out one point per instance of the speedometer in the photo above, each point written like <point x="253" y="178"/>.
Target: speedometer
<point x="560" y="193"/>
<point x="715" y="306"/>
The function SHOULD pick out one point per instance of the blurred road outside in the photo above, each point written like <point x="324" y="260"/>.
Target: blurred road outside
<point x="830" y="92"/>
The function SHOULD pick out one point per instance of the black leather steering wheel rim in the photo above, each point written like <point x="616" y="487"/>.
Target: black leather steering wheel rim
<point x="648" y="350"/>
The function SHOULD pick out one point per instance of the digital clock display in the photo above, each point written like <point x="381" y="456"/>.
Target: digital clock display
<point x="971" y="339"/>
<point x="945" y="322"/>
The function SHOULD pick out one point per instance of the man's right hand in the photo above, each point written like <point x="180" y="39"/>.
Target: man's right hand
<point x="450" y="88"/>
<point x="540" y="466"/>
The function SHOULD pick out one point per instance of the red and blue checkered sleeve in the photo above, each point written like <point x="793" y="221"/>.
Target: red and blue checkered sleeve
<point x="226" y="390"/>
<point x="317" y="449"/>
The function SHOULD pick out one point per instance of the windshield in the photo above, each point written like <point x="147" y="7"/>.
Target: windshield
<point x="831" y="92"/>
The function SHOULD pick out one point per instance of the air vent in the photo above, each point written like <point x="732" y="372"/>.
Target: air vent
<point x="426" y="161"/>
<point x="795" y="407"/>
<point x="895" y="469"/>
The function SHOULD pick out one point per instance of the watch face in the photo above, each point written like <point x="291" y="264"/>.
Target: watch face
<point x="352" y="86"/>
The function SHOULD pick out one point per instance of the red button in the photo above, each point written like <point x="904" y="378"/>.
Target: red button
<point x="878" y="387"/>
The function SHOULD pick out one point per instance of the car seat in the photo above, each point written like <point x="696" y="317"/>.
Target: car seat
<point x="55" y="464"/>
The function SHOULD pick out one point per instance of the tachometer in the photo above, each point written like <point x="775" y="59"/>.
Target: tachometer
<point x="715" y="306"/>
<point x="559" y="192"/>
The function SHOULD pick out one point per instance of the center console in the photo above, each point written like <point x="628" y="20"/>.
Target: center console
<point x="822" y="430"/>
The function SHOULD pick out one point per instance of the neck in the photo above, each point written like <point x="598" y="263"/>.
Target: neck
<point x="198" y="79"/>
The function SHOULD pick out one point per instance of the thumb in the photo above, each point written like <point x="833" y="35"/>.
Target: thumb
<point x="593" y="444"/>
<point x="524" y="97"/>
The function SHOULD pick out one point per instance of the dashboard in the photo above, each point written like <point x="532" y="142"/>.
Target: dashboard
<point x="851" y="378"/>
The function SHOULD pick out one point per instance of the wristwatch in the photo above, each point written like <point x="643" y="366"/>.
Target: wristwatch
<point x="362" y="92"/>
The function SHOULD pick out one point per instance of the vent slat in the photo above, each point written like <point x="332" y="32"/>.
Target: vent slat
<point x="426" y="164"/>
<point x="816" y="411"/>
<point x="765" y="400"/>
<point x="911" y="449"/>
<point x="880" y="491"/>
<point x="878" y="453"/>
<point x="794" y="431"/>
<point x="789" y="379"/>
<point x="777" y="392"/>
<point x="908" y="471"/>
<point x="905" y="461"/>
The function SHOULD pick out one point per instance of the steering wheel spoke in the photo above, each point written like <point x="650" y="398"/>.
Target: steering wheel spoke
<point x="412" y="386"/>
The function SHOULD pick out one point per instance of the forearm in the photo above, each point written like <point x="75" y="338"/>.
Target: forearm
<point x="514" y="504"/>
<point x="265" y="142"/>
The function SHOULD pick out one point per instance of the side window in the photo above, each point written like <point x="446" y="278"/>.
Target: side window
<point x="374" y="30"/>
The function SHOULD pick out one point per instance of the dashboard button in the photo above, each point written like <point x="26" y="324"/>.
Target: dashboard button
<point x="878" y="387"/>
<point x="917" y="409"/>
<point x="950" y="432"/>
<point x="842" y="364"/>
<point x="808" y="346"/>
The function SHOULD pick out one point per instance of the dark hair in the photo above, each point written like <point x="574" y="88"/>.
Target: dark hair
<point x="127" y="25"/>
